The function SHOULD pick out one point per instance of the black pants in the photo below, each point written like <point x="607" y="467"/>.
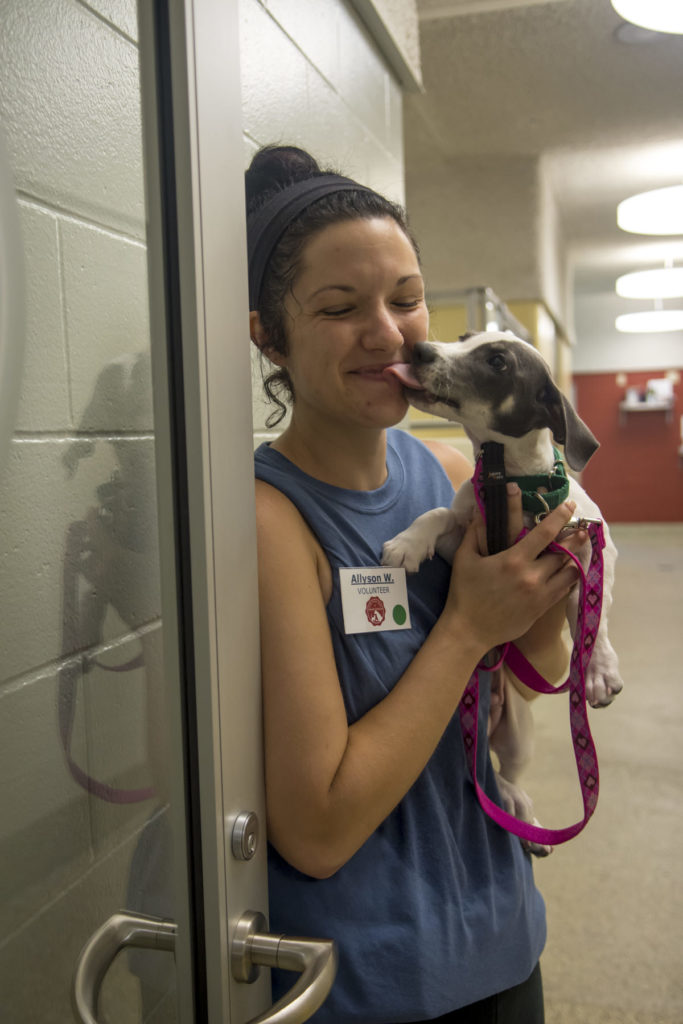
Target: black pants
<point x="522" y="1004"/>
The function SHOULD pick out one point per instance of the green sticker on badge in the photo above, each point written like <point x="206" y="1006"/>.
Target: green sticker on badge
<point x="399" y="614"/>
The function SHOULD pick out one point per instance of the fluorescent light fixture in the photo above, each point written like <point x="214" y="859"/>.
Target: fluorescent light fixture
<point x="657" y="15"/>
<point x="659" y="212"/>
<point x="650" y="321"/>
<point x="662" y="283"/>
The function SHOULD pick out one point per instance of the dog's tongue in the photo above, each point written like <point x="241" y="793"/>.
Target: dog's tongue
<point x="404" y="372"/>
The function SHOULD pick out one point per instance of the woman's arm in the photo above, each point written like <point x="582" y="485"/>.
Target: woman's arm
<point x="329" y="785"/>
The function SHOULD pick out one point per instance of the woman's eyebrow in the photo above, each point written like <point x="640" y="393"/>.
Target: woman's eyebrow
<point x="347" y="288"/>
<point x="331" y="287"/>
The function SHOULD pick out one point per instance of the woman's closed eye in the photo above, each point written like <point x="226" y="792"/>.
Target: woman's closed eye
<point x="332" y="312"/>
<point x="337" y="311"/>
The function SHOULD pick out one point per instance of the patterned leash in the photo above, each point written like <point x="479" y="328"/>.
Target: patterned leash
<point x="588" y="620"/>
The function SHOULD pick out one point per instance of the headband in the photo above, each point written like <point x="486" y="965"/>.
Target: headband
<point x="268" y="224"/>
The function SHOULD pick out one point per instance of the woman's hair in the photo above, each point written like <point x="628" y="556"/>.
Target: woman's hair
<point x="273" y="169"/>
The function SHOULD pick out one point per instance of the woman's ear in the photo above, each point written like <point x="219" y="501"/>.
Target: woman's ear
<point x="260" y="338"/>
<point x="258" y="335"/>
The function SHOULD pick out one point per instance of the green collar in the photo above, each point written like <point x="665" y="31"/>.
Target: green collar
<point x="556" y="484"/>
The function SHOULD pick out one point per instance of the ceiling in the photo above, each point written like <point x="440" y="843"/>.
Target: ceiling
<point x="567" y="79"/>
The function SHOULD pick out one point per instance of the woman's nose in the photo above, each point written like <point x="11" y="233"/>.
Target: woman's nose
<point x="382" y="329"/>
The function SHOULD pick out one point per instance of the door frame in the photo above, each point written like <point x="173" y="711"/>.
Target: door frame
<point x="192" y="127"/>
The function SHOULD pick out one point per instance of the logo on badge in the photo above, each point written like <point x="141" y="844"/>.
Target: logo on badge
<point x="375" y="611"/>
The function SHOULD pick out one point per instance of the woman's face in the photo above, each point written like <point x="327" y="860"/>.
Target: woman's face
<point x="357" y="305"/>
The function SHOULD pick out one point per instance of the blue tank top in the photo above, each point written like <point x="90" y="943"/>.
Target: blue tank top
<point x="438" y="908"/>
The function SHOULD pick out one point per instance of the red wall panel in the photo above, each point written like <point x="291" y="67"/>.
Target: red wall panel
<point x="636" y="476"/>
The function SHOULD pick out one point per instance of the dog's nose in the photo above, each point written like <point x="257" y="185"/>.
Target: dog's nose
<point x="423" y="353"/>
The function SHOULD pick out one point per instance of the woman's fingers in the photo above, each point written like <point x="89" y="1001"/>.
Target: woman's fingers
<point x="515" y="513"/>
<point x="515" y="519"/>
<point x="538" y="539"/>
<point x="574" y="541"/>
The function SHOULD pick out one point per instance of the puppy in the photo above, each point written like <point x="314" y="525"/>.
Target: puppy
<point x="500" y="389"/>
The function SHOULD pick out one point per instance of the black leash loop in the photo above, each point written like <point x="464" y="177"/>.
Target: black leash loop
<point x="495" y="496"/>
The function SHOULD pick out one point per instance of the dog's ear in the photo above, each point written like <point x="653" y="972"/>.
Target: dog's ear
<point x="567" y="427"/>
<point x="466" y="335"/>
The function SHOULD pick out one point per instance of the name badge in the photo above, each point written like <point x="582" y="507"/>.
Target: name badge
<point x="374" y="599"/>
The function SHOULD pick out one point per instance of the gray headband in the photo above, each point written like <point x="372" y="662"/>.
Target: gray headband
<point x="268" y="224"/>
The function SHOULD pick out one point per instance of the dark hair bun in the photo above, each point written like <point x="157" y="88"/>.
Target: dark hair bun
<point x="274" y="168"/>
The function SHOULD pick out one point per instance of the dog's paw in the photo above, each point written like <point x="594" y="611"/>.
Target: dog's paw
<point x="603" y="681"/>
<point x="519" y="804"/>
<point x="537" y="849"/>
<point x="404" y="551"/>
<point x="514" y="800"/>
<point x="601" y="689"/>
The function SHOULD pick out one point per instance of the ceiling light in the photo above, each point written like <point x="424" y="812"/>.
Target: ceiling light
<point x="658" y="15"/>
<point x="650" y="321"/>
<point x="659" y="212"/>
<point x="663" y="283"/>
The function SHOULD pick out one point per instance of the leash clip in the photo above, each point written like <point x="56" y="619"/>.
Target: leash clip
<point x="582" y="523"/>
<point x="540" y="516"/>
<point x="576" y="523"/>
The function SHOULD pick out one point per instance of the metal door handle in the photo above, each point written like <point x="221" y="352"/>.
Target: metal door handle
<point x="315" y="959"/>
<point x="119" y="931"/>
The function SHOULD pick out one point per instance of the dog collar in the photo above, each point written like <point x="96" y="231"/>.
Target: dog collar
<point x="555" y="484"/>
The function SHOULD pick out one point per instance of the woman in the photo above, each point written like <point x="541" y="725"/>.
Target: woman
<point x="377" y="839"/>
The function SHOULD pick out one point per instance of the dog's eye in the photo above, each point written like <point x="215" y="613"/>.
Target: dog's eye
<point x="497" y="361"/>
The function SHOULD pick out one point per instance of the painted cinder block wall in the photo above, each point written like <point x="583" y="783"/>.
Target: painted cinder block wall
<point x="332" y="94"/>
<point x="70" y="113"/>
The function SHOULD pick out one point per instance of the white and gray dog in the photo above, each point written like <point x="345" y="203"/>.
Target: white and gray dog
<point x="501" y="389"/>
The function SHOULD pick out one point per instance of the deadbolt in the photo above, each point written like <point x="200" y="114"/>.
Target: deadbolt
<point x="245" y="835"/>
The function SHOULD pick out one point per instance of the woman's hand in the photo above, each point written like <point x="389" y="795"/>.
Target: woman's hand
<point x="500" y="597"/>
<point x="547" y="643"/>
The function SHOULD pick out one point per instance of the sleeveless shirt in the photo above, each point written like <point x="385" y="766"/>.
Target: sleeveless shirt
<point x="438" y="908"/>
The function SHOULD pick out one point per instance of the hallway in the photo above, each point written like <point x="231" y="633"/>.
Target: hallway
<point x="615" y="893"/>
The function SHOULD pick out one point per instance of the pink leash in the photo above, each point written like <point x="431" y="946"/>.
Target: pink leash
<point x="588" y="620"/>
<point x="80" y="630"/>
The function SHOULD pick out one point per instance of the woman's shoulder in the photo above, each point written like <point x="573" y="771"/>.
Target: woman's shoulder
<point x="456" y="466"/>
<point x="275" y="509"/>
<point x="285" y="540"/>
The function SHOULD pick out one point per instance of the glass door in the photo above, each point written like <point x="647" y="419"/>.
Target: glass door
<point x="93" y="817"/>
<point x="130" y="735"/>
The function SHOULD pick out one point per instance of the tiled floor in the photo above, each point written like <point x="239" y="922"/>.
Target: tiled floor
<point x="615" y="893"/>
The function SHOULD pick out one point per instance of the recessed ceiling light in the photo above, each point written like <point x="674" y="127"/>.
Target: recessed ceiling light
<point x="661" y="283"/>
<point x="633" y="35"/>
<point x="650" y="321"/>
<point x="659" y="212"/>
<point x="657" y="15"/>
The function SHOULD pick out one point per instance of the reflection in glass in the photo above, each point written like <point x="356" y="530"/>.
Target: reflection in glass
<point x="83" y="742"/>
